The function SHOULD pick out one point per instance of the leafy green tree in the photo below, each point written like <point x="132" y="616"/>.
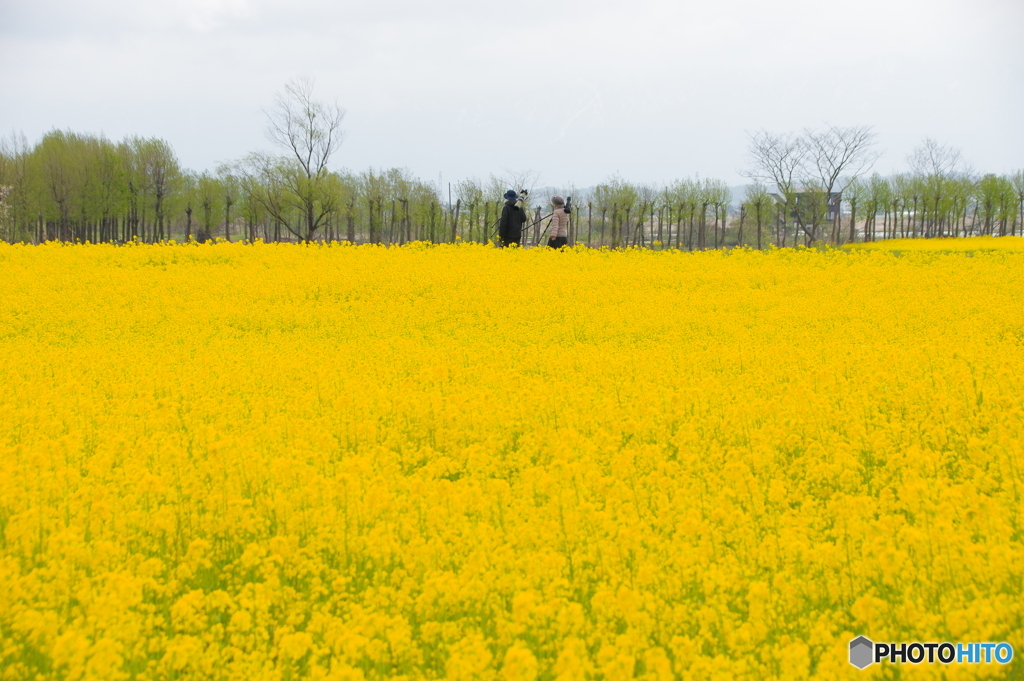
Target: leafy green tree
<point x="112" y="188"/>
<point x="162" y="172"/>
<point x="877" y="200"/>
<point x="602" y="197"/>
<point x="934" y="168"/>
<point x="254" y="214"/>
<point x="230" y="188"/>
<point x="685" y="195"/>
<point x="989" y="190"/>
<point x="400" y="183"/>
<point x="55" y="174"/>
<point x="209" y="194"/>
<point x="647" y="199"/>
<point x="961" y="196"/>
<point x="373" y="188"/>
<point x="903" y="198"/>
<point x="1017" y="179"/>
<point x="760" y="203"/>
<point x="16" y="181"/>
<point x="347" y="201"/>
<point x="619" y="199"/>
<point x="856" y="193"/>
<point x="132" y="153"/>
<point x="469" y="196"/>
<point x="998" y="201"/>
<point x="425" y="202"/>
<point x="718" y="195"/>
<point x="189" y="200"/>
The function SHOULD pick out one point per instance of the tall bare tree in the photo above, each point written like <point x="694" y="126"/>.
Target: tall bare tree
<point x="932" y="158"/>
<point x="311" y="131"/>
<point x="810" y="168"/>
<point x="840" y="155"/>
<point x="777" y="158"/>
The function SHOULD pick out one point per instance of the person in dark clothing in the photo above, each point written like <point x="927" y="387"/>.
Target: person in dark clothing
<point x="510" y="226"/>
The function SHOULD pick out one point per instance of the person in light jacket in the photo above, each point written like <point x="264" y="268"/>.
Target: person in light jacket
<point x="559" y="229"/>
<point x="510" y="226"/>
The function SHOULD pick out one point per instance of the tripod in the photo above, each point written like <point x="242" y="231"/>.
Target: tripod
<point x="526" y="228"/>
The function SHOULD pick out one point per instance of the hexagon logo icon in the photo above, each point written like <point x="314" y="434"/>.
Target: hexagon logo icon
<point x="862" y="652"/>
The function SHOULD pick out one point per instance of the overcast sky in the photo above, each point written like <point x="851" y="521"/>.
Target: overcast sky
<point x="652" y="90"/>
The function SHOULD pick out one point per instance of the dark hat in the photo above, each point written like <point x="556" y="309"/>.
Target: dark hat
<point x="511" y="195"/>
<point x="557" y="200"/>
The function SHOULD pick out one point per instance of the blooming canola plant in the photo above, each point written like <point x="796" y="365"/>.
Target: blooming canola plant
<point x="270" y="461"/>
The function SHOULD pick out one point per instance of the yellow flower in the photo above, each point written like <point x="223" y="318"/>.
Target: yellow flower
<point x="269" y="461"/>
<point x="519" y="664"/>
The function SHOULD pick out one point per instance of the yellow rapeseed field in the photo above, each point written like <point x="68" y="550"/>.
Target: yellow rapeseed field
<point x="257" y="462"/>
<point x="978" y="243"/>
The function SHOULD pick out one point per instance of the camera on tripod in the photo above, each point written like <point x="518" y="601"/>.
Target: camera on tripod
<point x="568" y="204"/>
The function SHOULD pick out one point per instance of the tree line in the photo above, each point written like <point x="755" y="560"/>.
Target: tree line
<point x="76" y="187"/>
<point x="808" y="187"/>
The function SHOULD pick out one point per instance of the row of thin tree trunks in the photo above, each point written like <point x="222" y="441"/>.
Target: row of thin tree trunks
<point x="683" y="227"/>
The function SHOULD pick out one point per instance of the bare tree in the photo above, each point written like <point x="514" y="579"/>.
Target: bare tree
<point x="931" y="158"/>
<point x="818" y="162"/>
<point x="777" y="158"/>
<point x="840" y="155"/>
<point x="519" y="179"/>
<point x="311" y="131"/>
